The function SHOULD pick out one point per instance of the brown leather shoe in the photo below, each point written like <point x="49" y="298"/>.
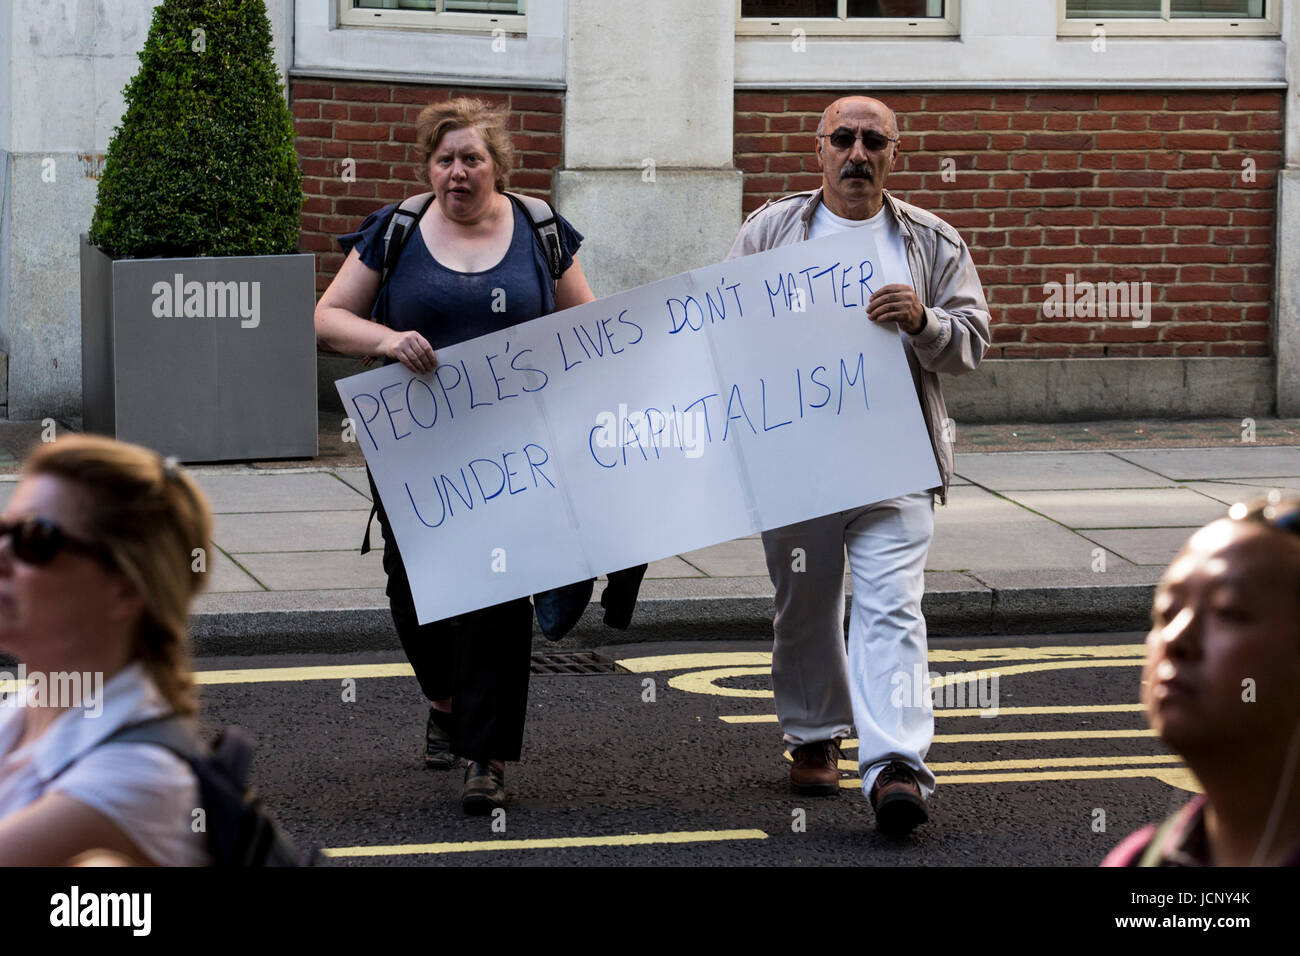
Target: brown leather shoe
<point x="896" y="798"/>
<point x="815" y="771"/>
<point x="485" y="788"/>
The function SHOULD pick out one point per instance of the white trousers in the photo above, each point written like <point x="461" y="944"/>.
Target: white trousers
<point x="822" y="692"/>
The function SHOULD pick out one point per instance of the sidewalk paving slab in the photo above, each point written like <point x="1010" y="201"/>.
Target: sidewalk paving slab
<point x="673" y="567"/>
<point x="1144" y="546"/>
<point x="356" y="477"/>
<point x="315" y="570"/>
<point x="1229" y="493"/>
<point x="978" y="529"/>
<point x="225" y="575"/>
<point x="280" y="530"/>
<point x="1122" y="508"/>
<point x="267" y="492"/>
<point x="744" y="556"/>
<point x="1190" y="464"/>
<point x="1032" y="471"/>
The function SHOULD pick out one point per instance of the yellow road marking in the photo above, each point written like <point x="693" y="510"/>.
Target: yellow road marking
<point x="851" y="743"/>
<point x="620" y="839"/>
<point x="1179" y="777"/>
<point x="1004" y="671"/>
<point x="1063" y="652"/>
<point x="705" y="682"/>
<point x="1184" y="777"/>
<point x="970" y="765"/>
<point x="681" y="662"/>
<point x="1039" y="735"/>
<point x="702" y="682"/>
<point x="969" y="712"/>
<point x="259" y="675"/>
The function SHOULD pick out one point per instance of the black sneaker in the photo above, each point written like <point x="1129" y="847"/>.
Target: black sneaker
<point x="485" y="788"/>
<point x="437" y="747"/>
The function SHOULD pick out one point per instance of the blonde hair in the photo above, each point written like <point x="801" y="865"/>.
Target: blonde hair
<point x="151" y="517"/>
<point x="436" y="121"/>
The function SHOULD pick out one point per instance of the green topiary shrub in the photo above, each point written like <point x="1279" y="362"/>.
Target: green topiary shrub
<point x="203" y="163"/>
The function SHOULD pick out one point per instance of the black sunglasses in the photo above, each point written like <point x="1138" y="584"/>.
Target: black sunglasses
<point x="38" y="541"/>
<point x="871" y="140"/>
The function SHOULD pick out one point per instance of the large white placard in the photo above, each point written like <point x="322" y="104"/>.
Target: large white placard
<point x="735" y="398"/>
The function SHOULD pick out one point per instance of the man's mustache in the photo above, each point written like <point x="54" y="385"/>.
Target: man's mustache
<point x="852" y="170"/>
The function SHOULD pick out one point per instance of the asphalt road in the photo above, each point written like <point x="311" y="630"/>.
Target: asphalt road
<point x="698" y="777"/>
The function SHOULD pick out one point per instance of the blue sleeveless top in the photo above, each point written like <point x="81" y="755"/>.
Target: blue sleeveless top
<point x="446" y="306"/>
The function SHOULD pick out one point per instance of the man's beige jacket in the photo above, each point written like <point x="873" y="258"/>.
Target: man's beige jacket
<point x="956" y="331"/>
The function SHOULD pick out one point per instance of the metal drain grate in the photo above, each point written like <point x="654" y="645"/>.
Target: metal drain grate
<point x="575" y="662"/>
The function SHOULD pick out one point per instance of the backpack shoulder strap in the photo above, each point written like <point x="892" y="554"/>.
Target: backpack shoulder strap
<point x="546" y="228"/>
<point x="401" y="223"/>
<point x="171" y="731"/>
<point x="1173" y="825"/>
<point x="1151" y="853"/>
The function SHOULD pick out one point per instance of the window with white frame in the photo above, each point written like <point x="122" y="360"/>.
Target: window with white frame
<point x="472" y="16"/>
<point x="1171" y="17"/>
<point x="847" y="17"/>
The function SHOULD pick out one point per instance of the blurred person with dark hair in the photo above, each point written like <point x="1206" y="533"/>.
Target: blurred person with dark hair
<point x="1221" y="687"/>
<point x="97" y="574"/>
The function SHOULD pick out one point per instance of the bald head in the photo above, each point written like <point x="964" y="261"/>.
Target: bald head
<point x="857" y="106"/>
<point x="1226" y="609"/>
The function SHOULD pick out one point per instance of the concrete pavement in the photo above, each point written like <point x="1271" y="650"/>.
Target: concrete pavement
<point x="1030" y="542"/>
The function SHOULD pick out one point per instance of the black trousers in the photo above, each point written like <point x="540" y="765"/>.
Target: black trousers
<point x="481" y="660"/>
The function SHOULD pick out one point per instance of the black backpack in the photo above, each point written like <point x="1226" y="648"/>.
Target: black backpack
<point x="402" y="220"/>
<point x="239" y="831"/>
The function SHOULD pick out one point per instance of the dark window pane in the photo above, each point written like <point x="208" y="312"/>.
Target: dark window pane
<point x="396" y="4"/>
<point x="789" y="9"/>
<point x="1112" y="9"/>
<point x="450" y="6"/>
<point x="483" y="6"/>
<point x="914" y="9"/>
<point x="1217" y="9"/>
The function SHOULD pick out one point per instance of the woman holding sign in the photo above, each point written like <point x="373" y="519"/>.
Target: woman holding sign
<point x="473" y="259"/>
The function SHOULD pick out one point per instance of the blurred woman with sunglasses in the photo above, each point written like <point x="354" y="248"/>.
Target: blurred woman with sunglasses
<point x="1220" y="688"/>
<point x="97" y="572"/>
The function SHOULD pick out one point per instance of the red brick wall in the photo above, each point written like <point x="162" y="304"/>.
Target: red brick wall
<point x="374" y="124"/>
<point x="1128" y="186"/>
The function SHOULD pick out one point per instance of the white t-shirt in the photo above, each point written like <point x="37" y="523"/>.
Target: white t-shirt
<point x="892" y="267"/>
<point x="889" y="242"/>
<point x="146" y="790"/>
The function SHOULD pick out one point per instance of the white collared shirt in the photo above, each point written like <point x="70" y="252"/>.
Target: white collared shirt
<point x="146" y="790"/>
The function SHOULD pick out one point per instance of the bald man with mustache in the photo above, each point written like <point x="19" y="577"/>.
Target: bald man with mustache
<point x="927" y="289"/>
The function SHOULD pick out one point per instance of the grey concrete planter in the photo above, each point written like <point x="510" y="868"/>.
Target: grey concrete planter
<point x="216" y="365"/>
